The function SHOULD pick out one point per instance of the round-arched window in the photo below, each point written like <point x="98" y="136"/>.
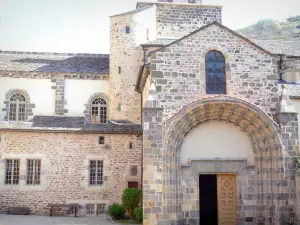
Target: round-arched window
<point x="99" y="111"/>
<point x="215" y="73"/>
<point x="17" y="107"/>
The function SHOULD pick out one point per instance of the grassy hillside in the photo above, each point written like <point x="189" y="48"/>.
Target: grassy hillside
<point x="273" y="29"/>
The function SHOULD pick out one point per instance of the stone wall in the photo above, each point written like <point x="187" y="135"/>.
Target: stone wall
<point x="64" y="173"/>
<point x="178" y="20"/>
<point x="126" y="56"/>
<point x="291" y="70"/>
<point x="179" y="70"/>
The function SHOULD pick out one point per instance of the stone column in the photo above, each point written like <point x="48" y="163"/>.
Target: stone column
<point x="152" y="160"/>
<point x="58" y="84"/>
<point x="287" y="117"/>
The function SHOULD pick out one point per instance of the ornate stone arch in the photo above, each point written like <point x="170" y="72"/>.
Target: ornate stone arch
<point x="203" y="72"/>
<point x="87" y="112"/>
<point x="263" y="133"/>
<point x="28" y="104"/>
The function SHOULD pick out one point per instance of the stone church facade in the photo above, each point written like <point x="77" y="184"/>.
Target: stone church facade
<point x="204" y="120"/>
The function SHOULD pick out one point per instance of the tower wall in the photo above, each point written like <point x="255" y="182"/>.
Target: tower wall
<point x="126" y="57"/>
<point x="178" y="20"/>
<point x="182" y="1"/>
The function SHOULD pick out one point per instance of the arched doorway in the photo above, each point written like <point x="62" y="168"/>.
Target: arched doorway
<point x="181" y="196"/>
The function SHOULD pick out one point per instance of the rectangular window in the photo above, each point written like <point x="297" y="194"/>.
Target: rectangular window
<point x="101" y="140"/>
<point x="33" y="176"/>
<point x="133" y="184"/>
<point x="100" y="209"/>
<point x="133" y="171"/>
<point x="127" y="30"/>
<point x="119" y="69"/>
<point x="12" y="171"/>
<point x="130" y="145"/>
<point x="90" y="209"/>
<point x="96" y="172"/>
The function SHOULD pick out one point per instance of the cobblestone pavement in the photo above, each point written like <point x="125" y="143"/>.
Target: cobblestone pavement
<point x="55" y="220"/>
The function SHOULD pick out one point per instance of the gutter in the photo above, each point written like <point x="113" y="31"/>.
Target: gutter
<point x="70" y="131"/>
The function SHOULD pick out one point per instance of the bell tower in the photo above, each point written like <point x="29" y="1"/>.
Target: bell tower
<point x="182" y="1"/>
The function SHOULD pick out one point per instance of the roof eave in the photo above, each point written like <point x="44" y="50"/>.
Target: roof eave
<point x="70" y="131"/>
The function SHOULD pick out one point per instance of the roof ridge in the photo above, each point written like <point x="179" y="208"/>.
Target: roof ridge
<point x="53" y="53"/>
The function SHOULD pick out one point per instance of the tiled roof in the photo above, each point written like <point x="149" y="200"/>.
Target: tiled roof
<point x="291" y="48"/>
<point x="293" y="90"/>
<point x="70" y="124"/>
<point x="54" y="62"/>
<point x="134" y="11"/>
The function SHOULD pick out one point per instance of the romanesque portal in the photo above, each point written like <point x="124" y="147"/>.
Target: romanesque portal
<point x="259" y="186"/>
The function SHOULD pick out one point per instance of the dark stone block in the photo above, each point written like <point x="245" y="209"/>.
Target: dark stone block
<point x="157" y="74"/>
<point x="249" y="219"/>
<point x="162" y="81"/>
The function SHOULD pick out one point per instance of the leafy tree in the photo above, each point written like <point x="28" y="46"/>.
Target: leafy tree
<point x="131" y="198"/>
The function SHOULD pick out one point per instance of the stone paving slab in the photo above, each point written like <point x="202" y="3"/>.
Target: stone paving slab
<point x="55" y="220"/>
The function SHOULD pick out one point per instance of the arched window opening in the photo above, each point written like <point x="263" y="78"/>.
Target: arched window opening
<point x="17" y="107"/>
<point x="99" y="111"/>
<point x="215" y="73"/>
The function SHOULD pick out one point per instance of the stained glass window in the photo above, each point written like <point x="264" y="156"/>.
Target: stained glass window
<point x="215" y="73"/>
<point x="17" y="107"/>
<point x="99" y="111"/>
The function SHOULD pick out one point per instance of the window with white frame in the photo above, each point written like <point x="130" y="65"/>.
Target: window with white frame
<point x="96" y="173"/>
<point x="100" y="209"/>
<point x="99" y="111"/>
<point x="12" y="171"/>
<point x="90" y="209"/>
<point x="17" y="107"/>
<point x="95" y="209"/>
<point x="33" y="176"/>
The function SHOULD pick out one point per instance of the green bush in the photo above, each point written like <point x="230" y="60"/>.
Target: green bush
<point x="117" y="211"/>
<point x="131" y="198"/>
<point x="139" y="214"/>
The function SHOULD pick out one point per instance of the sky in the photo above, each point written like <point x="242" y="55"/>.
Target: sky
<point x="83" y="25"/>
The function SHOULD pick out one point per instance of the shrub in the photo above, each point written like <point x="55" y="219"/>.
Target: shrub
<point x="116" y="211"/>
<point x="139" y="214"/>
<point x="131" y="198"/>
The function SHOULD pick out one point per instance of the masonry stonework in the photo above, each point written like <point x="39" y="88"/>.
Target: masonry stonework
<point x="64" y="159"/>
<point x="154" y="82"/>
<point x="253" y="75"/>
<point x="179" y="20"/>
<point x="126" y="57"/>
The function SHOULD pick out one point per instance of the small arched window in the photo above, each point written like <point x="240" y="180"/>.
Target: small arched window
<point x="215" y="73"/>
<point x="17" y="107"/>
<point x="99" y="111"/>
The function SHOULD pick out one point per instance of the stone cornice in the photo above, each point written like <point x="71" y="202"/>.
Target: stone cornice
<point x="51" y="75"/>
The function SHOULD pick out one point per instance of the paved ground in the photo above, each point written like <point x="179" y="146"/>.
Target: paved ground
<point x="55" y="220"/>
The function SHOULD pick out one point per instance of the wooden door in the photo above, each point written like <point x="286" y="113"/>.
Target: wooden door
<point x="133" y="184"/>
<point x="227" y="214"/>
